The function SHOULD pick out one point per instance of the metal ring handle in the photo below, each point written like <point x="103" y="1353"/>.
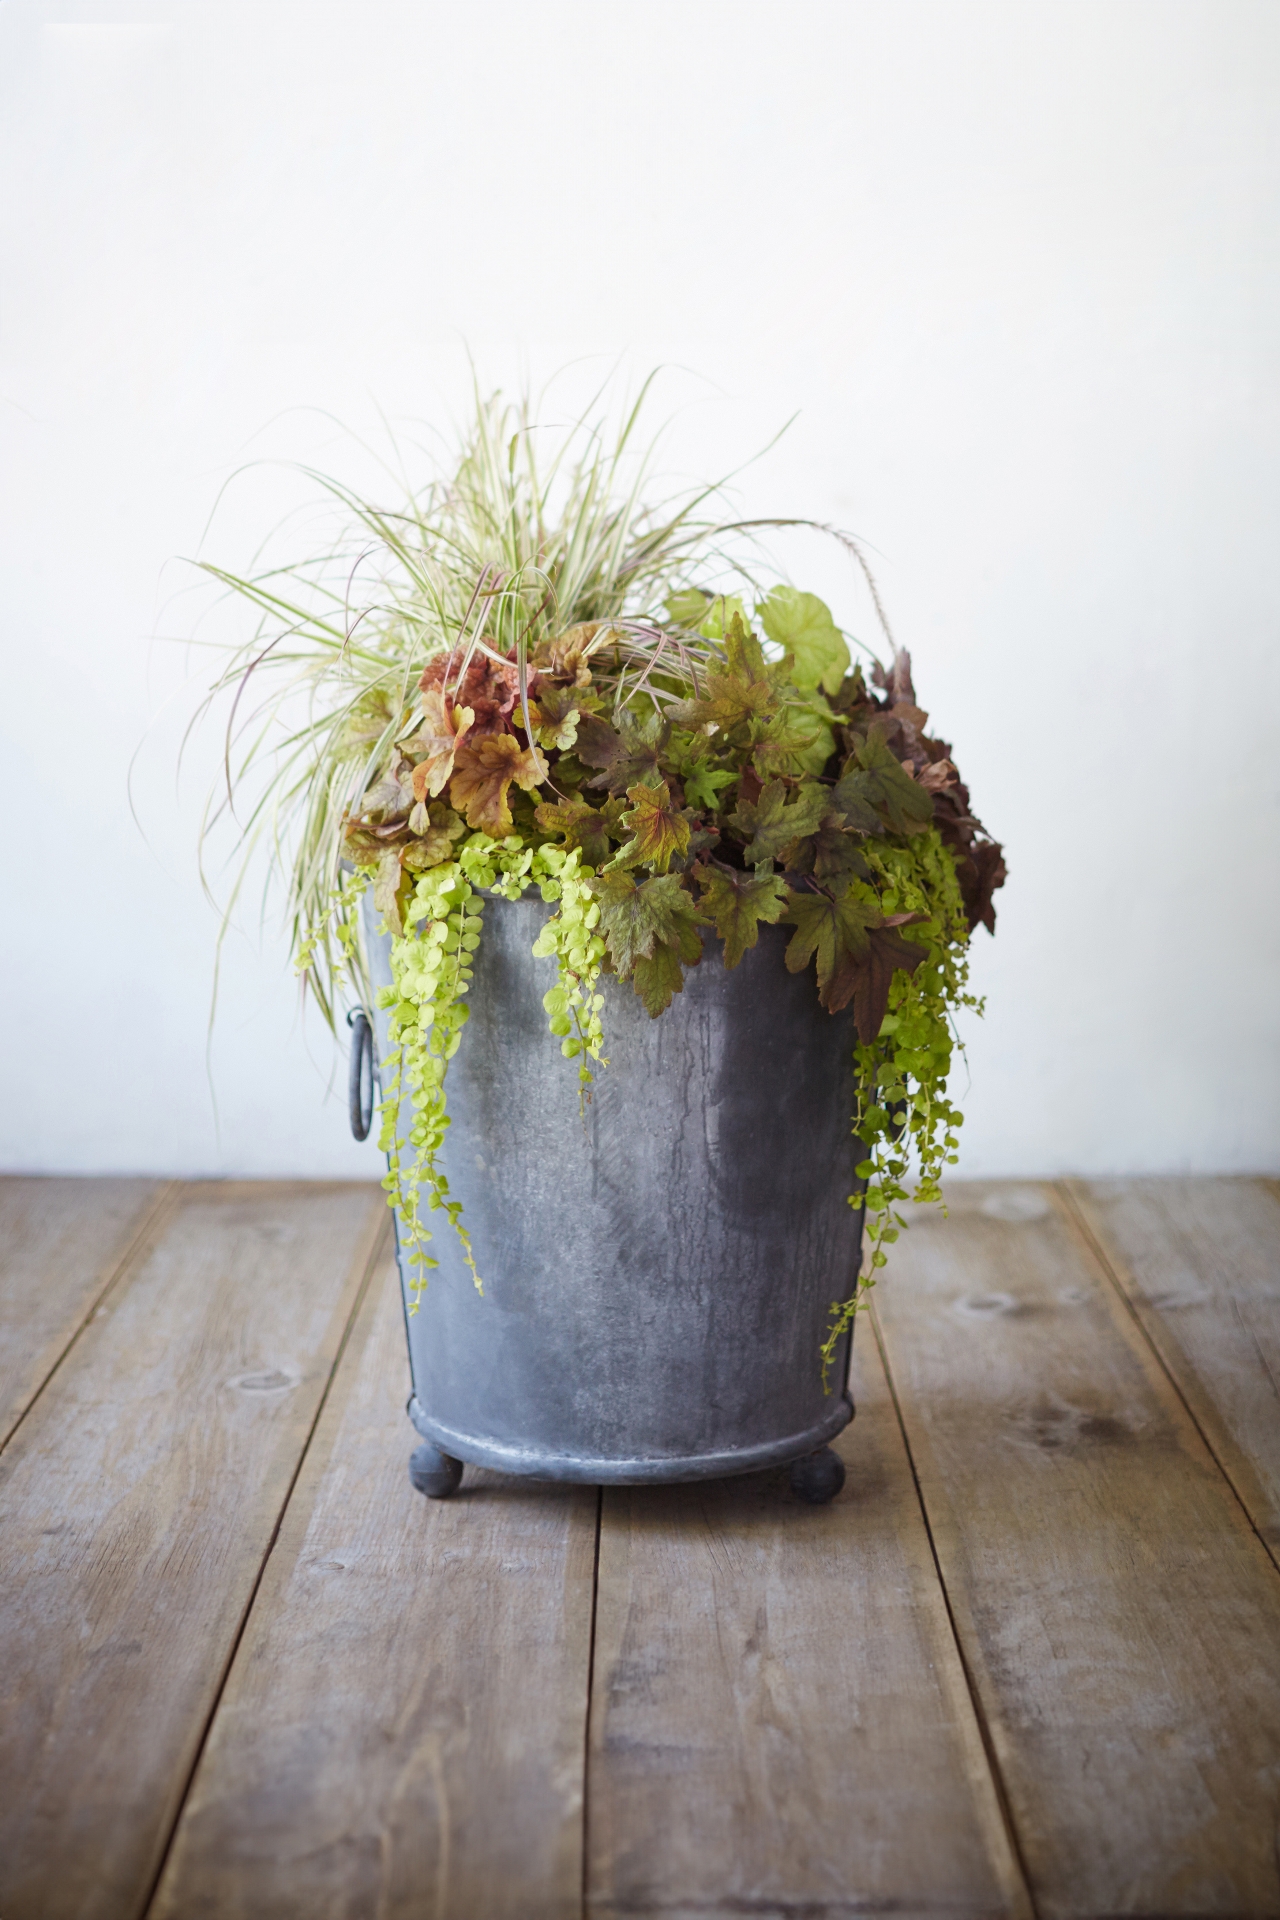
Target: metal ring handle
<point x="360" y="1081"/>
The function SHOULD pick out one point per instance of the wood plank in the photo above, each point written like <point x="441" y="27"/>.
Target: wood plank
<point x="780" y="1722"/>
<point x="61" y="1245"/>
<point x="137" y="1501"/>
<point x="402" y="1732"/>
<point x="1199" y="1261"/>
<point x="1119" y="1616"/>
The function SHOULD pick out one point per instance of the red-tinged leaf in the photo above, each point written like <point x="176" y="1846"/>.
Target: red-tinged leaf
<point x="896" y="683"/>
<point x="360" y="846"/>
<point x="386" y="889"/>
<point x="490" y="688"/>
<point x="835" y="851"/>
<point x="980" y="870"/>
<point x="736" y="903"/>
<point x="852" y="697"/>
<point x="834" y="927"/>
<point x="659" y="829"/>
<point x="443" y="730"/>
<point x="887" y="953"/>
<point x="390" y="800"/>
<point x="939" y="776"/>
<point x="483" y="773"/>
<point x="566" y="657"/>
<point x="628" y="756"/>
<point x="750" y="785"/>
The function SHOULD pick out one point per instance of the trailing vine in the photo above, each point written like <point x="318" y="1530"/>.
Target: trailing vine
<point x="575" y="1003"/>
<point x="431" y="969"/>
<point x="431" y="972"/>
<point x="902" y="1107"/>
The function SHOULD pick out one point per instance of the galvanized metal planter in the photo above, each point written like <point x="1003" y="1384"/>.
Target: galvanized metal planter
<point x="658" y="1276"/>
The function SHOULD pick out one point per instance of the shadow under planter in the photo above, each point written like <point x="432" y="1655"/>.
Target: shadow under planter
<point x="658" y="1274"/>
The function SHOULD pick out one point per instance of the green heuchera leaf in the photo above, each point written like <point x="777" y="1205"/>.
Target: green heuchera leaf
<point x="856" y="798"/>
<point x="876" y="783"/>
<point x="743" y="689"/>
<point x="436" y="827"/>
<point x="769" y="825"/>
<point x="802" y="624"/>
<point x="555" y="715"/>
<point x="659" y="829"/>
<point x="797" y="741"/>
<point x="579" y="824"/>
<point x="710" y="614"/>
<point x="689" y="608"/>
<point x="661" y="975"/>
<point x="743" y="651"/>
<point x="634" y="920"/>
<point x="720" y="616"/>
<point x="736" y="903"/>
<point x="702" y="784"/>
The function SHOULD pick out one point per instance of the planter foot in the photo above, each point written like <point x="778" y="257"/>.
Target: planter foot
<point x="434" y="1473"/>
<point x="817" y="1477"/>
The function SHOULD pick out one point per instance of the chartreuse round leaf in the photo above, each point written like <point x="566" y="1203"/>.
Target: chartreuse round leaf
<point x="802" y="625"/>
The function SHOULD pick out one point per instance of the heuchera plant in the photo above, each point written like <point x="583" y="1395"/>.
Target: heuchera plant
<point x="669" y="772"/>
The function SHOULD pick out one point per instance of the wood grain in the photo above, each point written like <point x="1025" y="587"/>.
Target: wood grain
<point x="137" y="1501"/>
<point x="402" y="1733"/>
<point x="1199" y="1260"/>
<point x="1119" y="1616"/>
<point x="780" y="1723"/>
<point x="61" y="1244"/>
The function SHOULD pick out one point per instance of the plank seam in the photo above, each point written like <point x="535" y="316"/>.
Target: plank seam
<point x="160" y="1205"/>
<point x="984" y="1730"/>
<point x="1110" y="1273"/>
<point x="370" y="1267"/>
<point x="591" y="1677"/>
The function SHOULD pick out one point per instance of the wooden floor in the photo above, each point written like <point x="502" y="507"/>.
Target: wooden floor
<point x="1028" y="1662"/>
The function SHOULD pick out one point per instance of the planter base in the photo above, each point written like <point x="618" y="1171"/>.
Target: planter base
<point x="818" y="1477"/>
<point x="455" y="1446"/>
<point x="434" y="1473"/>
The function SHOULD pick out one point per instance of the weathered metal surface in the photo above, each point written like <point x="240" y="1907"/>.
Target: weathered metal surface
<point x="658" y="1274"/>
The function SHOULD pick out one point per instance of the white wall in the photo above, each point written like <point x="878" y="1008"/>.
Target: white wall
<point x="1015" y="263"/>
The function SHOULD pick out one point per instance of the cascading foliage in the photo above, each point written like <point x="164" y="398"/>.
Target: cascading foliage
<point x="540" y="693"/>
